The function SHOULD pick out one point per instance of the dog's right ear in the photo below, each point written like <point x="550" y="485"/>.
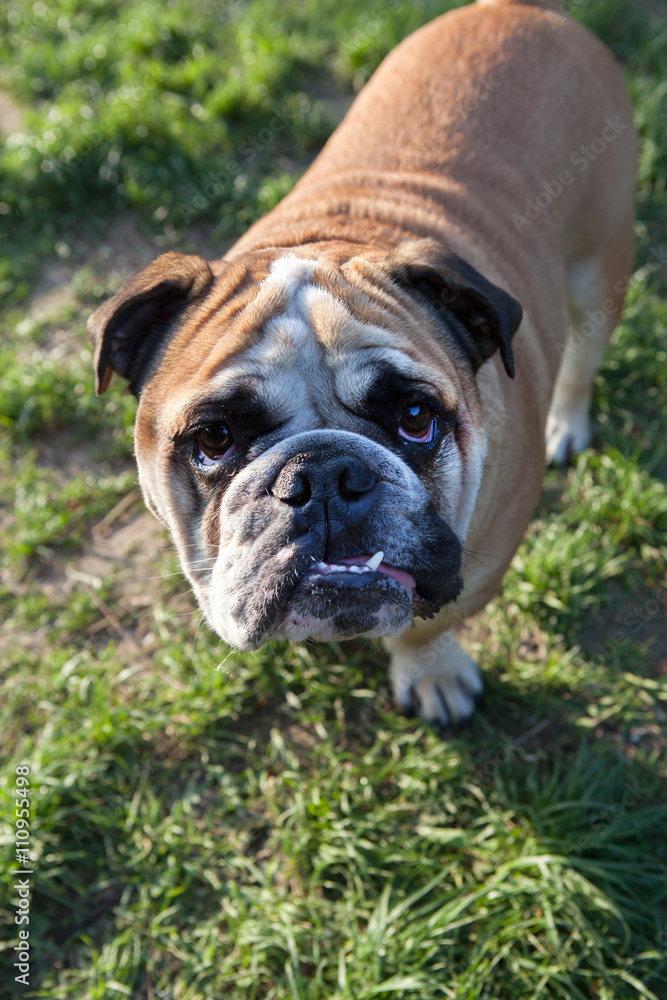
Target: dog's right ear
<point x="128" y="329"/>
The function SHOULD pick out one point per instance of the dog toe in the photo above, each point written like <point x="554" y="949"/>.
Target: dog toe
<point x="445" y="699"/>
<point x="566" y="436"/>
<point x="444" y="693"/>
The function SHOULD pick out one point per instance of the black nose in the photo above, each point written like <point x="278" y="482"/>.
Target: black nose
<point x="343" y="485"/>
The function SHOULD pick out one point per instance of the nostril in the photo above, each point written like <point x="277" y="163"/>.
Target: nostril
<point x="300" y="498"/>
<point x="319" y="479"/>
<point x="293" y="490"/>
<point x="355" y="481"/>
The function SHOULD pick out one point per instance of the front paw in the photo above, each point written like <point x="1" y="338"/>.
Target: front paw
<point x="445" y="692"/>
<point x="566" y="436"/>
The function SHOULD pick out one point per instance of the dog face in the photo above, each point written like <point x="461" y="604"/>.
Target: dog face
<point x="309" y="428"/>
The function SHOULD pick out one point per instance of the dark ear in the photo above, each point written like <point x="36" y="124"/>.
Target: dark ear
<point x="488" y="315"/>
<point x="129" y="328"/>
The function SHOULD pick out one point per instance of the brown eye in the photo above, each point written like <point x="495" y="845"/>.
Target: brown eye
<point x="214" y="443"/>
<point x="417" y="423"/>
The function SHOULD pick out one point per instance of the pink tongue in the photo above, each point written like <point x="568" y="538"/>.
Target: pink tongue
<point x="398" y="574"/>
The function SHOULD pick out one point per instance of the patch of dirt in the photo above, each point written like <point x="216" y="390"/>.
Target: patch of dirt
<point x="53" y="291"/>
<point x="123" y="251"/>
<point x="68" y="456"/>
<point x="11" y="115"/>
<point x="53" y="301"/>
<point x="337" y="100"/>
<point x="129" y="549"/>
<point x="130" y="553"/>
<point x="628" y="621"/>
<point x="125" y="547"/>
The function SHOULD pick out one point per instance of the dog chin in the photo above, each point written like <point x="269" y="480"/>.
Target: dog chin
<point x="338" y="612"/>
<point x="388" y="621"/>
<point x="330" y="606"/>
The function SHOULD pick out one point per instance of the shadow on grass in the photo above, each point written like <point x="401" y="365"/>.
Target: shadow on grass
<point x="315" y="792"/>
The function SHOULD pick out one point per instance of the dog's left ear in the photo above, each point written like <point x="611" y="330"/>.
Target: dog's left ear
<point x="488" y="315"/>
<point x="130" y="328"/>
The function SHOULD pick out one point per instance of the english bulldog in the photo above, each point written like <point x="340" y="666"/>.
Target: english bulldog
<point x="343" y="421"/>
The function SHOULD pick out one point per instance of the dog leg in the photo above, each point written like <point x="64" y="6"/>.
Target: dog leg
<point x="597" y="287"/>
<point x="437" y="680"/>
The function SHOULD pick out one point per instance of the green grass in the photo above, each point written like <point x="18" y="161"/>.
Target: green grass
<point x="272" y="828"/>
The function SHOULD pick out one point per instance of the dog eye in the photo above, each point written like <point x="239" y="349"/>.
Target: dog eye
<point x="417" y="423"/>
<point x="214" y="443"/>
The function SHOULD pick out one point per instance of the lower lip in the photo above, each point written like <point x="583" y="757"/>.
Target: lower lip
<point x="399" y="575"/>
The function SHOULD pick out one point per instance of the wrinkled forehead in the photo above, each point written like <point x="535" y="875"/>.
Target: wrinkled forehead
<point x="308" y="338"/>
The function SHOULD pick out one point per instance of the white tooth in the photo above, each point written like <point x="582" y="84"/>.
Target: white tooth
<point x="338" y="569"/>
<point x="356" y="569"/>
<point x="375" y="560"/>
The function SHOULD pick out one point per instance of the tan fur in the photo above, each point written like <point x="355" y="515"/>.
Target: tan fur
<point x="463" y="122"/>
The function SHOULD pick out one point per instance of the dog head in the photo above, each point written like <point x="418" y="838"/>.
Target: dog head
<point x="309" y="428"/>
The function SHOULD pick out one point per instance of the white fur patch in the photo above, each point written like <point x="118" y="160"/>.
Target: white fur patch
<point x="289" y="335"/>
<point x="291" y="271"/>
